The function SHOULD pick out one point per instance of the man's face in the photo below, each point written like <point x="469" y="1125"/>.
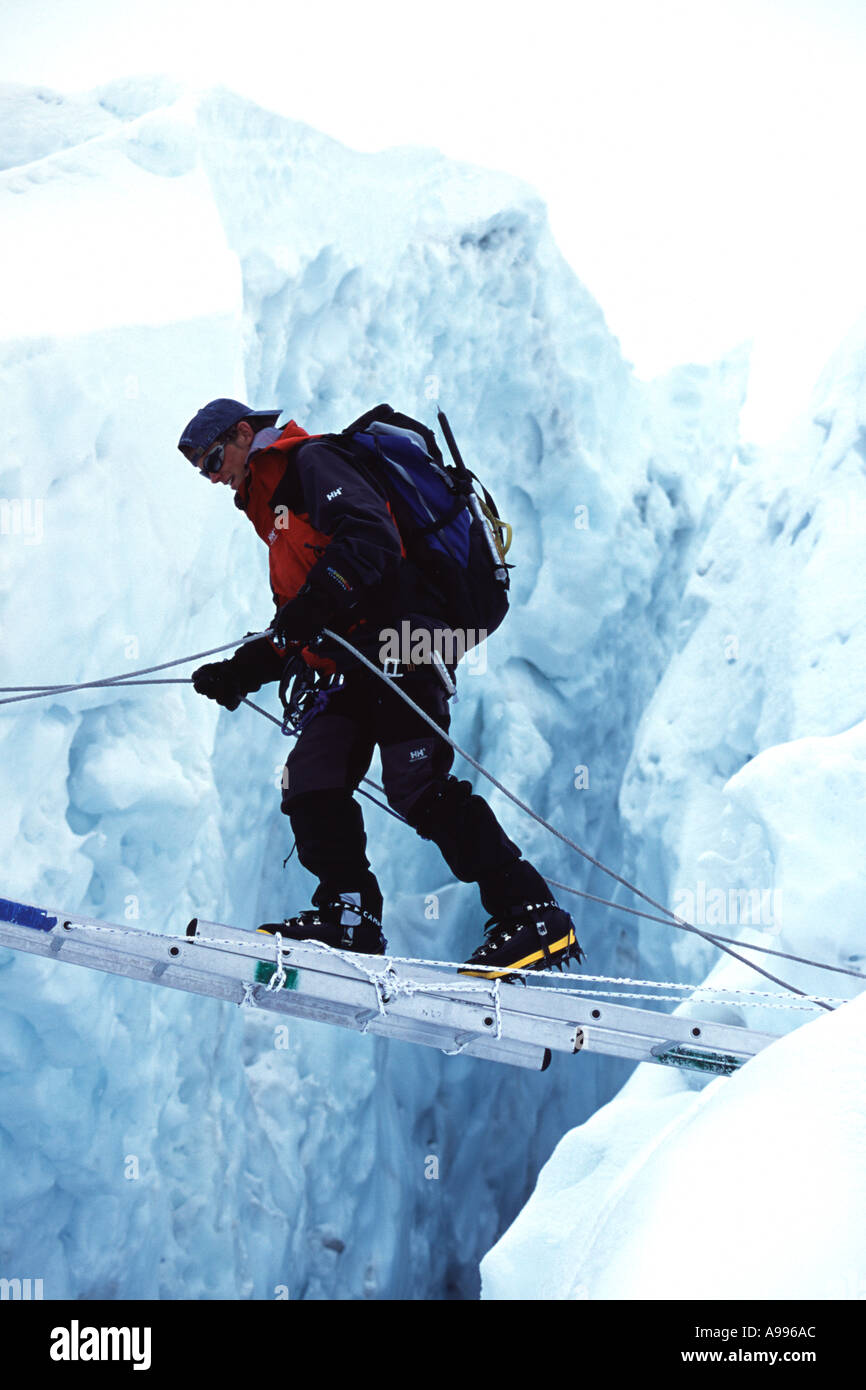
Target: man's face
<point x="235" y="455"/>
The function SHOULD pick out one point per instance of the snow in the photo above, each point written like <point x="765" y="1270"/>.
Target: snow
<point x="748" y="1189"/>
<point x="167" y="245"/>
<point x="118" y="230"/>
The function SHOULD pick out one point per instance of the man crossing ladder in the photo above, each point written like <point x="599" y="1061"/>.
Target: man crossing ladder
<point x="338" y="560"/>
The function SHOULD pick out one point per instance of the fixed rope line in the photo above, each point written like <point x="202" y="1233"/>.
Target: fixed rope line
<point x="127" y="675"/>
<point x="670" y="916"/>
<point x="554" y="883"/>
<point x="129" y="679"/>
<point x="684" y="926"/>
<point x="718" y="994"/>
<point x="567" y="888"/>
<point x="393" y="985"/>
<point x="52" y="689"/>
<point x="185" y="680"/>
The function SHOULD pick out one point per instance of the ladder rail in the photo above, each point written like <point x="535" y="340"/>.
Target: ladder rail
<point x="150" y="961"/>
<point x="601" y="1023"/>
<point x="519" y="1024"/>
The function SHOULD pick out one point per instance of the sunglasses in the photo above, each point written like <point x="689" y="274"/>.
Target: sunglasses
<point x="212" y="462"/>
<point x="209" y="463"/>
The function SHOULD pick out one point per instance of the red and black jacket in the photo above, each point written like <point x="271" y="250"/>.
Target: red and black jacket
<point x="327" y="523"/>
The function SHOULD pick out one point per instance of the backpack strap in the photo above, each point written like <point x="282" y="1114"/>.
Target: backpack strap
<point x="388" y="415"/>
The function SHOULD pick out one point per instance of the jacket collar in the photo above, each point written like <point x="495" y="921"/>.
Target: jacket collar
<point x="270" y="441"/>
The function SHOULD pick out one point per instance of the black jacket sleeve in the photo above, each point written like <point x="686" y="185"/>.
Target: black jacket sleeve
<point x="345" y="502"/>
<point x="255" y="664"/>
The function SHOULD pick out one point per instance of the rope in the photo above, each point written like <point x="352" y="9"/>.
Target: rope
<point x="166" y="680"/>
<point x="565" y="887"/>
<point x="684" y="926"/>
<point x="719" y="994"/>
<point x="377" y="980"/>
<point x="409" y="988"/>
<point x="175" y="680"/>
<point x="455" y="1051"/>
<point x="127" y="675"/>
<point x="546" y="824"/>
<point x="669" y="918"/>
<point x="554" y="883"/>
<point x="278" y="979"/>
<point x="249" y="998"/>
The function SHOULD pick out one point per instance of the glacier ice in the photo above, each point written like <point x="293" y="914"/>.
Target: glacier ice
<point x="748" y="768"/>
<point x="170" y="246"/>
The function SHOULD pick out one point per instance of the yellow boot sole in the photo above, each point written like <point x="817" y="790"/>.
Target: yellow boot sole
<point x="557" y="951"/>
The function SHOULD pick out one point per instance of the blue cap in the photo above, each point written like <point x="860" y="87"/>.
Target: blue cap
<point x="214" y="419"/>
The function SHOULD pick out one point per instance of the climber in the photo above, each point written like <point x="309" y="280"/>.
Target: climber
<point x="337" y="560"/>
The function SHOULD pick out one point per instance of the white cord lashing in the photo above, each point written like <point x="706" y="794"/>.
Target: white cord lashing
<point x="278" y="979"/>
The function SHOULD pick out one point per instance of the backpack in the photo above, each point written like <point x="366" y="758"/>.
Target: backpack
<point x="453" y="536"/>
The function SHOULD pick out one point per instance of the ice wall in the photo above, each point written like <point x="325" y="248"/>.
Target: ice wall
<point x="748" y="776"/>
<point x="165" y="247"/>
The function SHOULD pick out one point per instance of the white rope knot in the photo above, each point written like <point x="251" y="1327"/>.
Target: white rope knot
<point x="497" y="1004"/>
<point x="377" y="979"/>
<point x="278" y="979"/>
<point x="249" y="1000"/>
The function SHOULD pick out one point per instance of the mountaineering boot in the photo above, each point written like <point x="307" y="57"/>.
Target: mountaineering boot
<point x="531" y="936"/>
<point x="349" y="921"/>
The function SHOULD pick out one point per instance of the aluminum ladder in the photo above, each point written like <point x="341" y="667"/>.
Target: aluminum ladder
<point x="516" y="1022"/>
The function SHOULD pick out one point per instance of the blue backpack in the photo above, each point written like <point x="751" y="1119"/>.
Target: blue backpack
<point x="453" y="535"/>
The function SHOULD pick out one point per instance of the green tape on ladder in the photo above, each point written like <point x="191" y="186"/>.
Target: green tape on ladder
<point x="265" y="972"/>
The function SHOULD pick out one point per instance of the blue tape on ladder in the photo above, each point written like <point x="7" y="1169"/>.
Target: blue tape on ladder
<point x="22" y="915"/>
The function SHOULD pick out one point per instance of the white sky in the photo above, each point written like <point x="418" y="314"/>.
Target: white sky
<point x="702" y="159"/>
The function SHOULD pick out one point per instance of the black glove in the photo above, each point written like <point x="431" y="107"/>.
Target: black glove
<point x="218" y="681"/>
<point x="251" y="667"/>
<point x="302" y="617"/>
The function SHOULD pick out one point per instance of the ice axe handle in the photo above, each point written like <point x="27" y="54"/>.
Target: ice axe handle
<point x="462" y="470"/>
<point x="465" y="486"/>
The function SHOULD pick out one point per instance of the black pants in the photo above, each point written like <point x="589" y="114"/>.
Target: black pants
<point x="333" y="754"/>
